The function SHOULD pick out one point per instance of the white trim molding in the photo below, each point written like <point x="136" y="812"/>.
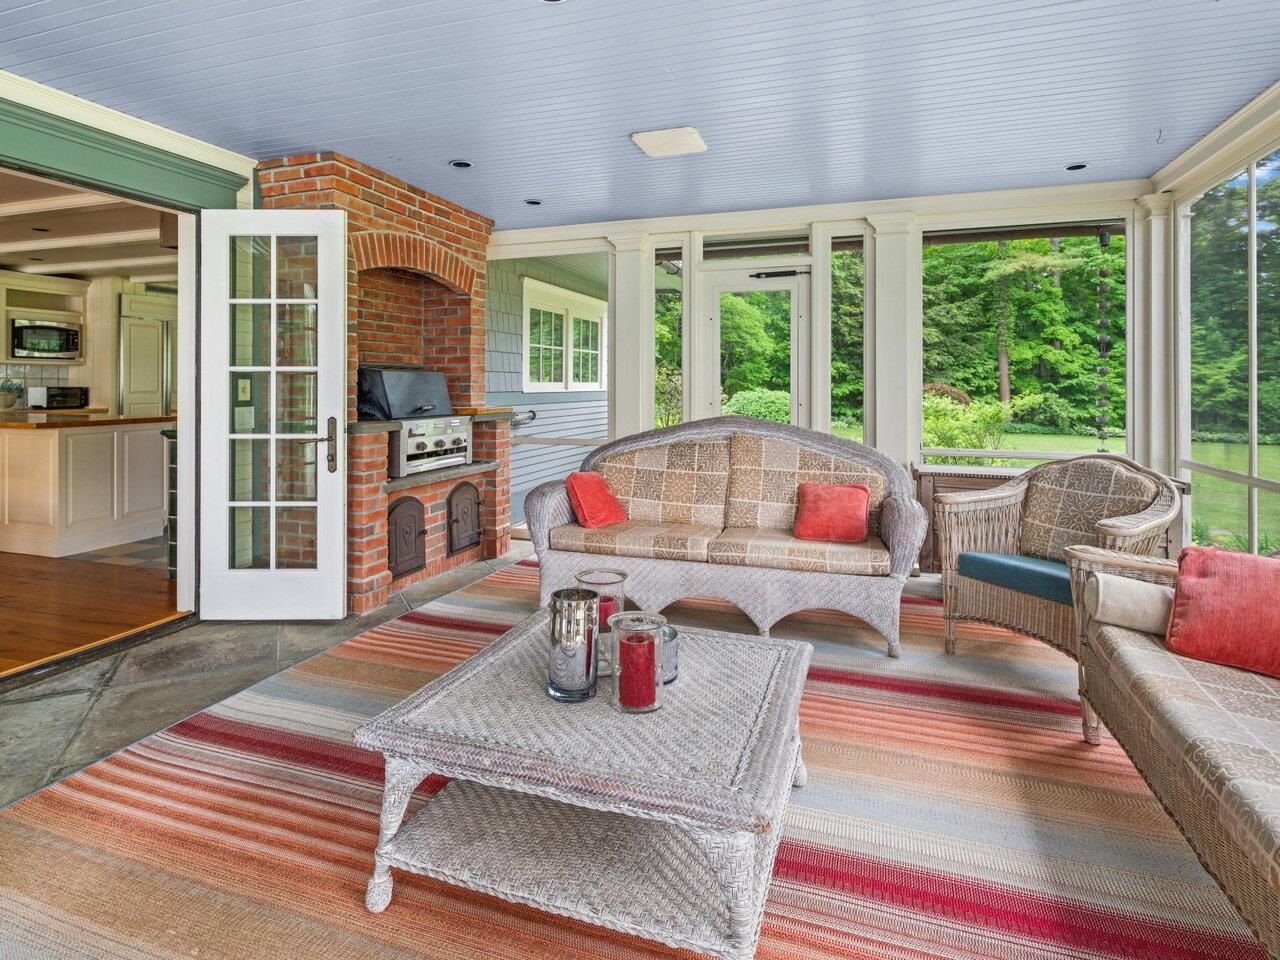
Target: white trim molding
<point x="69" y="107"/>
<point x="1252" y="130"/>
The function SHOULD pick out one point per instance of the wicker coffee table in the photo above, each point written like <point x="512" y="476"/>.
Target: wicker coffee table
<point x="663" y="825"/>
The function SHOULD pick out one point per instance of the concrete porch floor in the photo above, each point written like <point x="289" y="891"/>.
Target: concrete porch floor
<point x="56" y="725"/>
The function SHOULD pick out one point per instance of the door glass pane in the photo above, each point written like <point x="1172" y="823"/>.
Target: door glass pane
<point x="296" y="538"/>
<point x="1220" y="326"/>
<point x="296" y="469"/>
<point x="296" y="402"/>
<point x="249" y="538"/>
<point x="249" y="470"/>
<point x="755" y="354"/>
<point x="1219" y="513"/>
<point x="250" y="402"/>
<point x="847" y="277"/>
<point x="1267" y="177"/>
<point x="250" y="265"/>
<point x="296" y="335"/>
<point x="668" y="324"/>
<point x="296" y="268"/>
<point x="251" y="335"/>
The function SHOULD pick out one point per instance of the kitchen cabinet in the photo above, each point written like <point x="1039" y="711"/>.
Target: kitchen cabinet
<point x="70" y="485"/>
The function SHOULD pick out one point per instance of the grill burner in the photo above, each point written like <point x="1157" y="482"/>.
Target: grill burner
<point x="423" y="445"/>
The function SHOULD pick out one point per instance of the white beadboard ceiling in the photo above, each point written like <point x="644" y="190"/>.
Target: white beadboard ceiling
<point x="800" y="101"/>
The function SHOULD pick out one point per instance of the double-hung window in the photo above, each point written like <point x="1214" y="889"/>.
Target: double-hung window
<point x="564" y="337"/>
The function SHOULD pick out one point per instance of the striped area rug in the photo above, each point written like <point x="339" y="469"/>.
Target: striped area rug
<point x="952" y="812"/>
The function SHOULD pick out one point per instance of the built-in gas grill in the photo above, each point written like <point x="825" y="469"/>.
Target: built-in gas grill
<point x="429" y="436"/>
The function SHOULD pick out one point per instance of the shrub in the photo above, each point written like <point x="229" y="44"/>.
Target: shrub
<point x="772" y="405"/>
<point x="979" y="425"/>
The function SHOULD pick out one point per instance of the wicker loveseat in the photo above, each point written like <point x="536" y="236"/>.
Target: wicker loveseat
<point x="1206" y="737"/>
<point x="710" y="507"/>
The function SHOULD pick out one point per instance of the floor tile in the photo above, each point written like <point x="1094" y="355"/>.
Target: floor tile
<point x="124" y="715"/>
<point x="33" y="736"/>
<point x="85" y="676"/>
<point x="214" y="645"/>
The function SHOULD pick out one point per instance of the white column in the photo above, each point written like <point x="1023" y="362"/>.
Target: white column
<point x="1153" y="401"/>
<point x="631" y="335"/>
<point x="819" y="359"/>
<point x="894" y="352"/>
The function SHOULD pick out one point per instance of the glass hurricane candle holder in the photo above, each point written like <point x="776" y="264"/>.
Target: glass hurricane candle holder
<point x="571" y="665"/>
<point x="637" y="660"/>
<point x="611" y="586"/>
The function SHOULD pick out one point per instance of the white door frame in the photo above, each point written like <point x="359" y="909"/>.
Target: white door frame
<point x="273" y="593"/>
<point x="188" y="426"/>
<point x="704" y="343"/>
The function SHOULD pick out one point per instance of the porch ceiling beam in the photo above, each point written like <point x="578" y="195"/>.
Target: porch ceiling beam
<point x="85" y="266"/>
<point x="69" y="201"/>
<point x="106" y="239"/>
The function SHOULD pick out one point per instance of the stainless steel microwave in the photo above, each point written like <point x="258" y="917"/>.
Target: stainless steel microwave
<point x="42" y="339"/>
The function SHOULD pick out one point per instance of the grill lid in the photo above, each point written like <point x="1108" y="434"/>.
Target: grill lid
<point x="389" y="393"/>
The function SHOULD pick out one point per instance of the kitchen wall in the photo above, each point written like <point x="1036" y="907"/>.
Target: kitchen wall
<point x="34" y="375"/>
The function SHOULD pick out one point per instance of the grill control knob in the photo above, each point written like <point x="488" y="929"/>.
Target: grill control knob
<point x="420" y="445"/>
<point x="457" y="441"/>
<point x="439" y="444"/>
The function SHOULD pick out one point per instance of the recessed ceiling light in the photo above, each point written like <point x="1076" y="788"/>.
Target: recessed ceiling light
<point x="531" y="201"/>
<point x="673" y="142"/>
<point x="40" y="229"/>
<point x="460" y="164"/>
<point x="1076" y="166"/>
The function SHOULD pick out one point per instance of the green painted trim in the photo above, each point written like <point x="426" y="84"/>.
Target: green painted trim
<point x="540" y="399"/>
<point x="40" y="142"/>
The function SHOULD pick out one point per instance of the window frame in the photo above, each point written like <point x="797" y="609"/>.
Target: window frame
<point x="1251" y="481"/>
<point x="538" y="295"/>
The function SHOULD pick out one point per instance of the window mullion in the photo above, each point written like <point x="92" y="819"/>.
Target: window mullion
<point x="1252" y="287"/>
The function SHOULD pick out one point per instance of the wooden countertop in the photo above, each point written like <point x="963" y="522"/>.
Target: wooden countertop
<point x="31" y="420"/>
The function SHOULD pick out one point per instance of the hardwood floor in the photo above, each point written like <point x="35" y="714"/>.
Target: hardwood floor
<point x="50" y="608"/>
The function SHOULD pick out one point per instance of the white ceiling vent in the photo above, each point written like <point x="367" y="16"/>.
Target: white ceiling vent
<point x="670" y="143"/>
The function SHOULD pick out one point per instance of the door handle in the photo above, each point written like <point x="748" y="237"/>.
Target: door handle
<point x="331" y="440"/>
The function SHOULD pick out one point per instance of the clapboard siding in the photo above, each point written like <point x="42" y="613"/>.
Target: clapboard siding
<point x="560" y="415"/>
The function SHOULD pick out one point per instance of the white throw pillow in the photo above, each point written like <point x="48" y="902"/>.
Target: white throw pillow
<point x="1132" y="604"/>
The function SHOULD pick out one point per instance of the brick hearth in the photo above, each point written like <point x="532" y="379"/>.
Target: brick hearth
<point x="415" y="295"/>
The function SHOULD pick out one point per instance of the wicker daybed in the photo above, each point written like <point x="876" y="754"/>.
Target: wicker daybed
<point x="1206" y="738"/>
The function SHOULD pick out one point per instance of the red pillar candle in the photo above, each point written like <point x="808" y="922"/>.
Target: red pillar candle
<point x="608" y="607"/>
<point x="637" y="670"/>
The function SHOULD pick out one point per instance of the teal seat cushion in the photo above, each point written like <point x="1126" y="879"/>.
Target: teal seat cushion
<point x="1047" y="579"/>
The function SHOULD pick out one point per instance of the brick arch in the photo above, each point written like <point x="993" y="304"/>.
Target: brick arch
<point x="385" y="249"/>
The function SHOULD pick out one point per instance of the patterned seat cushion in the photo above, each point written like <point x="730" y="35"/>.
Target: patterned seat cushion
<point x="637" y="538"/>
<point x="1220" y="724"/>
<point x="755" y="547"/>
<point x="765" y="472"/>
<point x="683" y="482"/>
<point x="1066" y="500"/>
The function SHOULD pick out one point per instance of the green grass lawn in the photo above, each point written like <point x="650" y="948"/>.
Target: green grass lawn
<point x="1219" y="506"/>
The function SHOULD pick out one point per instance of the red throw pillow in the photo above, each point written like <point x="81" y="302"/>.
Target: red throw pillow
<point x="593" y="501"/>
<point x="835" y="512"/>
<point x="1225" y="610"/>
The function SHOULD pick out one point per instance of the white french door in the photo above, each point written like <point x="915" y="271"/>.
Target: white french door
<point x="273" y="325"/>
<point x="755" y="321"/>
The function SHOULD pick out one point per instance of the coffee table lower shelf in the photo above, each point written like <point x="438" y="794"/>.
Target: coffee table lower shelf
<point x="702" y="891"/>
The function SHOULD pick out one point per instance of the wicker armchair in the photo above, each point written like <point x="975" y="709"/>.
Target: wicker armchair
<point x="1003" y="550"/>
